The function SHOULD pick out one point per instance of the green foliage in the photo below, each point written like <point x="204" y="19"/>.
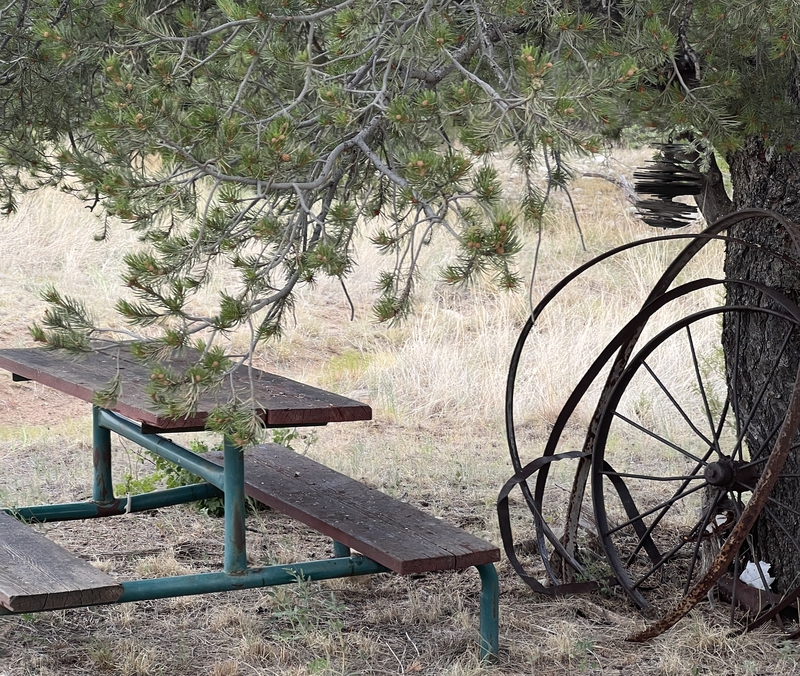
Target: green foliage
<point x="260" y="135"/>
<point x="67" y="323"/>
<point x="170" y="475"/>
<point x="287" y="436"/>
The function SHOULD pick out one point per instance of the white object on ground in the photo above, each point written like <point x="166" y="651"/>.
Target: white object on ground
<point x="750" y="575"/>
<point x="720" y="520"/>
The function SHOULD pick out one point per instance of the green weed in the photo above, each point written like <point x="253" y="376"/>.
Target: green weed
<point x="302" y="609"/>
<point x="170" y="475"/>
<point x="583" y="651"/>
<point x="286" y="436"/>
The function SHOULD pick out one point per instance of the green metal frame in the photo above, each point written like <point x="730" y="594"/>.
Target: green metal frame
<point x="227" y="482"/>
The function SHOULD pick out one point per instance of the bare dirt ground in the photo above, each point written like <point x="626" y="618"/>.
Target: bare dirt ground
<point x="25" y="404"/>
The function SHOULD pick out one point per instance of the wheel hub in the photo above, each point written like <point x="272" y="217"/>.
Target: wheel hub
<point x="731" y="474"/>
<point x="720" y="473"/>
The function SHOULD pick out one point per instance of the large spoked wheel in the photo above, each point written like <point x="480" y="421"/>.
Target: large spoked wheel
<point x="678" y="453"/>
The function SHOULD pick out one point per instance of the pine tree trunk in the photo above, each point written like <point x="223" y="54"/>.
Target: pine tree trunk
<point x="764" y="177"/>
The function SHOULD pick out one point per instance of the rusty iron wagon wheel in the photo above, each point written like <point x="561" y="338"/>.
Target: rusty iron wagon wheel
<point x="677" y="457"/>
<point x="652" y="553"/>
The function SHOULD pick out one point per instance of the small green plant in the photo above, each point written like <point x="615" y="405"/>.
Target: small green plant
<point x="750" y="668"/>
<point x="319" y="665"/>
<point x="583" y="649"/>
<point x="286" y="436"/>
<point x="101" y="654"/>
<point x="643" y="408"/>
<point x="303" y="609"/>
<point x="596" y="569"/>
<point x="789" y="650"/>
<point x="173" y="476"/>
<point x="132" y="485"/>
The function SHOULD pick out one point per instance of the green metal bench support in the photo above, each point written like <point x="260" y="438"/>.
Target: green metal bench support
<point x="235" y="542"/>
<point x="205" y="583"/>
<point x="103" y="485"/>
<point x="228" y="483"/>
<point x="73" y="511"/>
<point x="339" y="549"/>
<point x="490" y="611"/>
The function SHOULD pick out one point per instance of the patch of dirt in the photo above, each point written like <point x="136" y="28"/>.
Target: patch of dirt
<point x="29" y="404"/>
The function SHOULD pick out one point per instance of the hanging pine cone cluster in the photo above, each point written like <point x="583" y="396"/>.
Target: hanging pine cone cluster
<point x="665" y="178"/>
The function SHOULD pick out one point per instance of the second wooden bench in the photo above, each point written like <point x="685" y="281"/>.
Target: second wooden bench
<point x="392" y="533"/>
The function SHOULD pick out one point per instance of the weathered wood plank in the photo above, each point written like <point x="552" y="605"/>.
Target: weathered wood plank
<point x="37" y="574"/>
<point x="281" y="401"/>
<point x="393" y="533"/>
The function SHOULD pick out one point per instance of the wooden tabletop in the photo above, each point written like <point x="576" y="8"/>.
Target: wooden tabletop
<point x="280" y="402"/>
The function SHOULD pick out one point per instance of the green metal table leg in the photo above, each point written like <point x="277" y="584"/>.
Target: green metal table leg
<point x="340" y="550"/>
<point x="490" y="611"/>
<point x="103" y="487"/>
<point x="235" y="545"/>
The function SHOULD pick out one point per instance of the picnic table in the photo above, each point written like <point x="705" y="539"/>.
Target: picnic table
<point x="387" y="534"/>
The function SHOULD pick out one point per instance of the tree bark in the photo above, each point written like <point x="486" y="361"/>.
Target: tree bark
<point x="768" y="178"/>
<point x="713" y="202"/>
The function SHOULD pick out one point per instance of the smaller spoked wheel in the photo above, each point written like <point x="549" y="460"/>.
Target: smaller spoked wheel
<point x="681" y="442"/>
<point x="545" y="542"/>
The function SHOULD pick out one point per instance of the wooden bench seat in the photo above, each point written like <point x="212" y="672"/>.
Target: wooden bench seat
<point x="395" y="534"/>
<point x="36" y="574"/>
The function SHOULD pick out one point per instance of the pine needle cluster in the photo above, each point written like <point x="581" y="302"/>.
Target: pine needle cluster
<point x="260" y="134"/>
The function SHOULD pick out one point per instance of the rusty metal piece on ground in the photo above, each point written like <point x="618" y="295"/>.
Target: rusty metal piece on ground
<point x="783" y="603"/>
<point x="543" y="529"/>
<point x="755" y="600"/>
<point x="721" y="471"/>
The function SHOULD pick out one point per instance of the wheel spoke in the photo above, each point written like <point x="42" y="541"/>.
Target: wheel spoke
<point x="664" y="559"/>
<point x="676" y="404"/>
<point x="761" y="461"/>
<point x="694" y="533"/>
<point x="700" y="384"/>
<point x="667" y="503"/>
<point x="785" y="530"/>
<point x="783" y="505"/>
<point x="647" y="477"/>
<point x="644" y="537"/>
<point x="701" y="532"/>
<point x="657" y="437"/>
<point x="766" y="443"/>
<point x="736" y="568"/>
<point x="630" y="509"/>
<point x="777" y="502"/>
<point x="737" y="564"/>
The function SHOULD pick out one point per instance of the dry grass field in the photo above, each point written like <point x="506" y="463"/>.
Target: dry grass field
<point x="436" y="385"/>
